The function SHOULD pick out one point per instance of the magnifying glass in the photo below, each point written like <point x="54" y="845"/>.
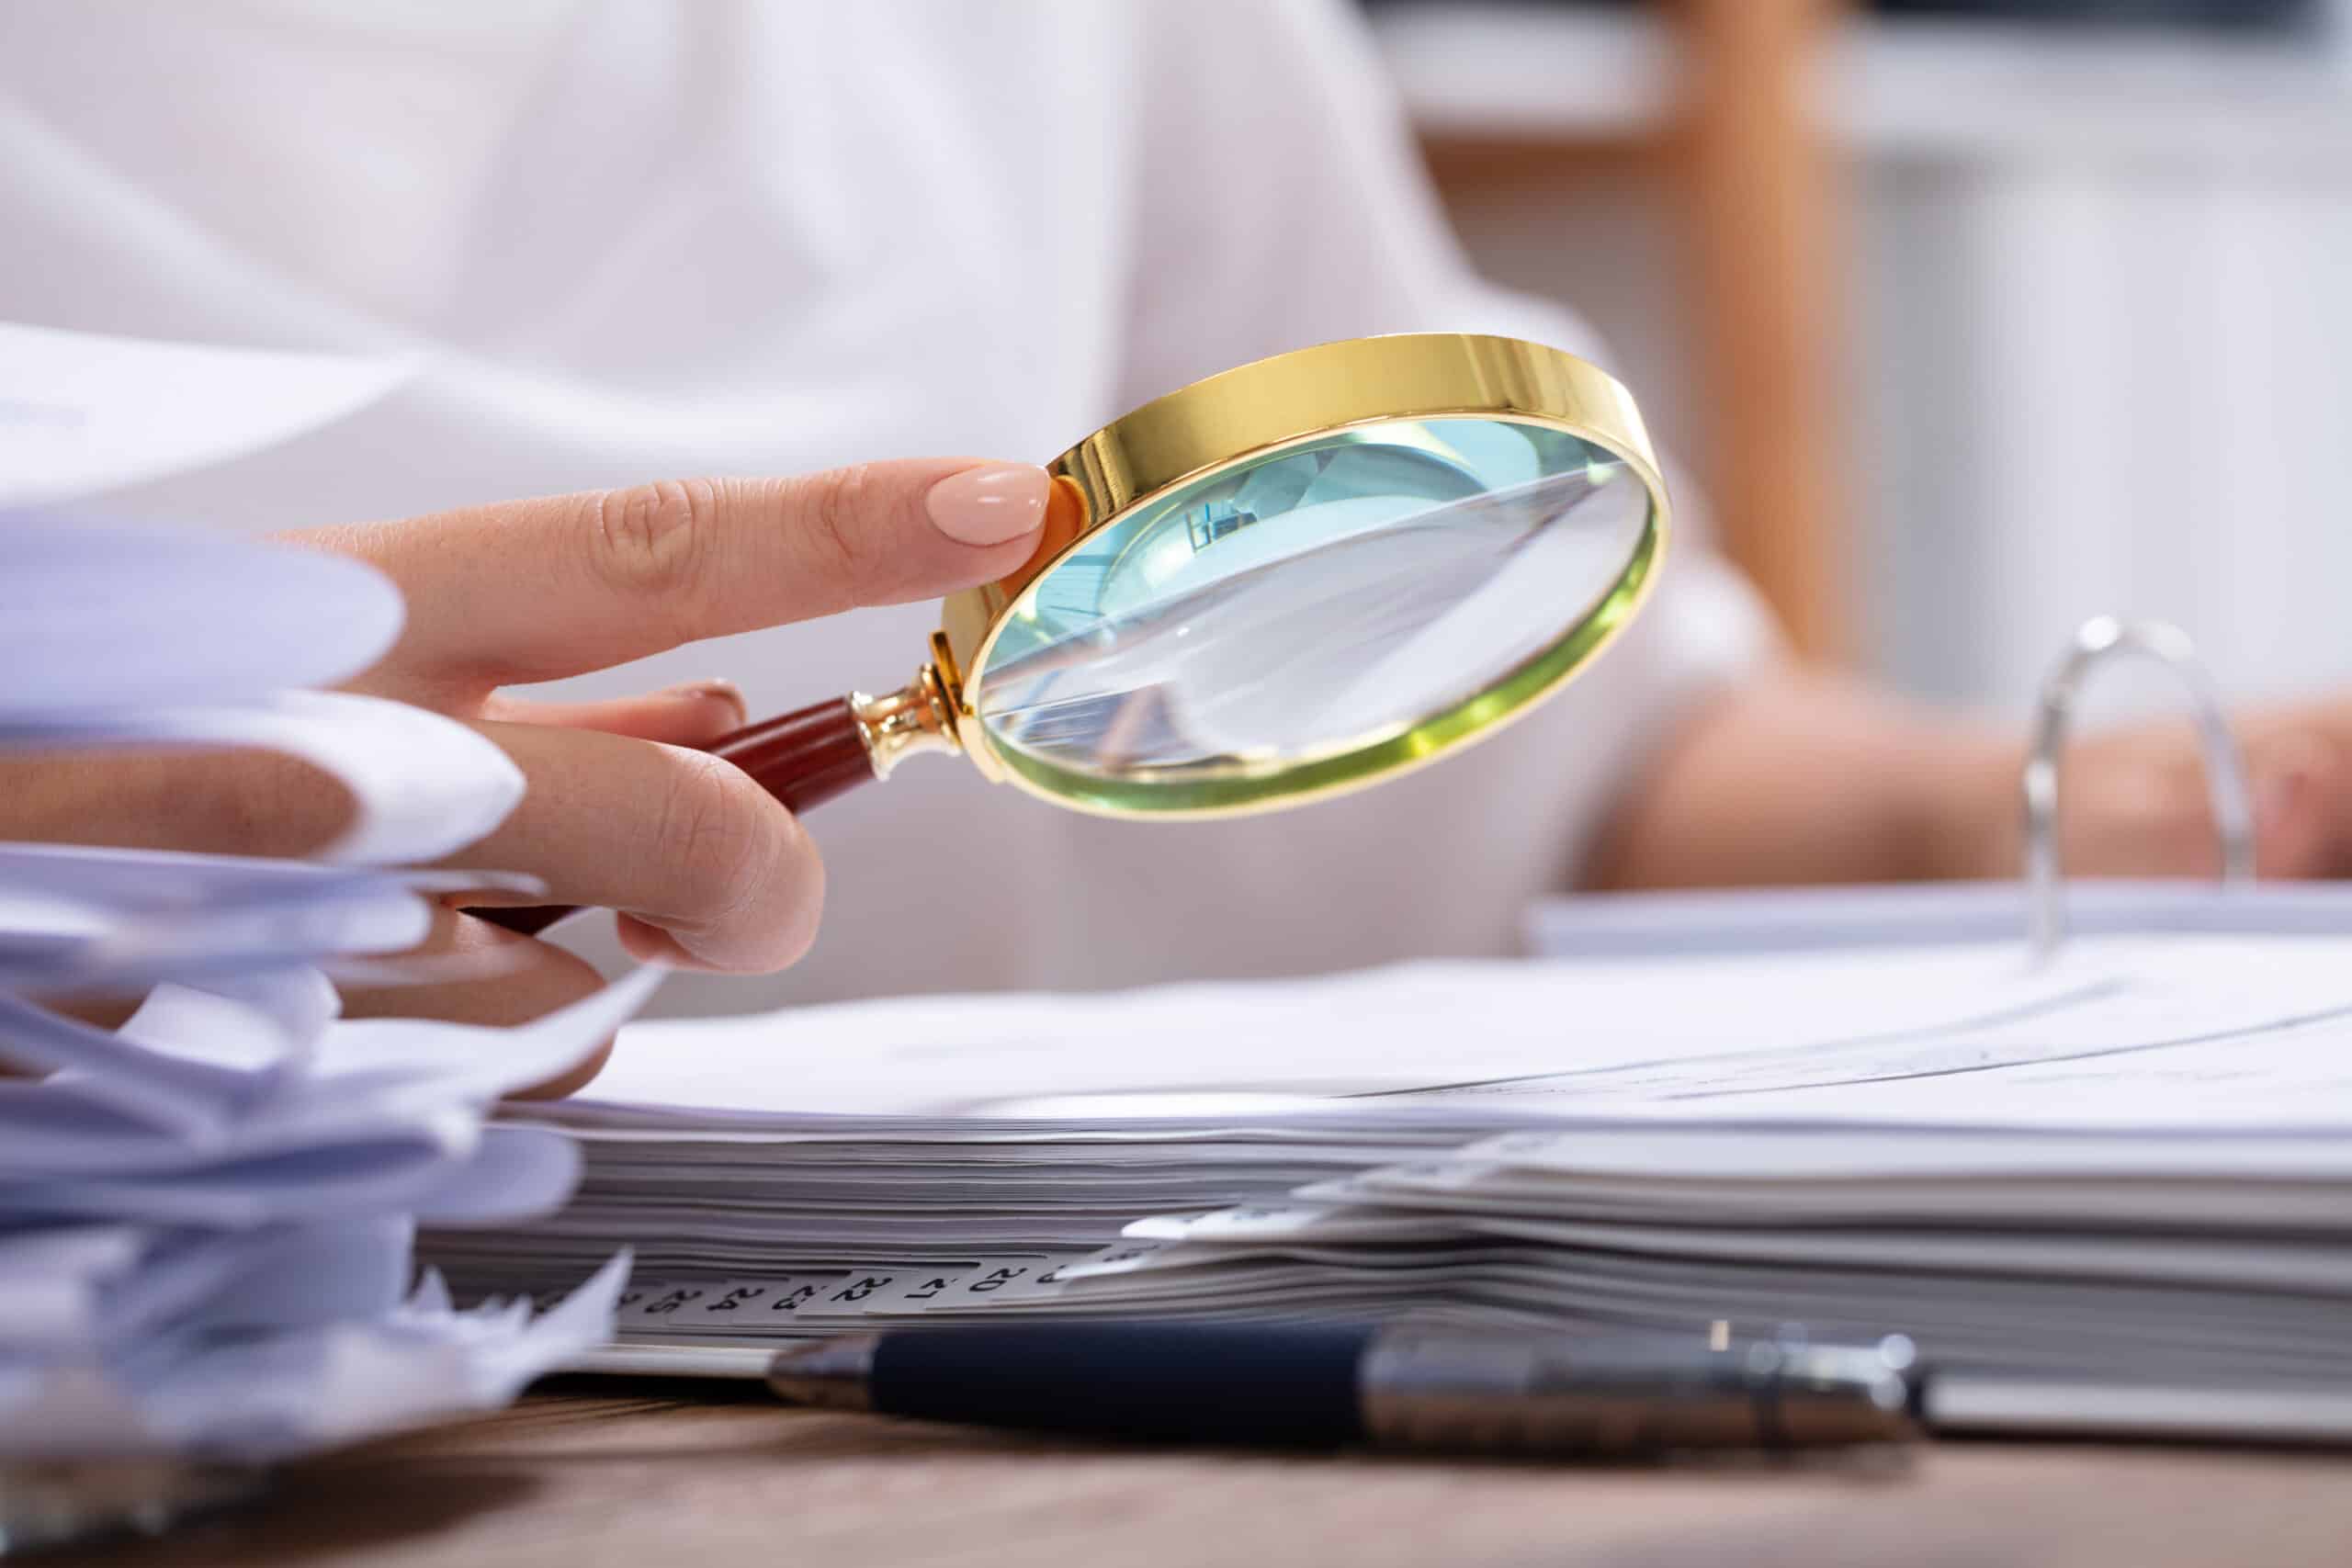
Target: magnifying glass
<point x="1283" y="583"/>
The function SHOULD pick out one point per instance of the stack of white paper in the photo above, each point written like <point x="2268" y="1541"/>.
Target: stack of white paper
<point x="2131" y="1168"/>
<point x="206" y="1214"/>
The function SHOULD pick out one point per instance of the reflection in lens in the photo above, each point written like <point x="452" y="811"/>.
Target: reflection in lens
<point x="1312" y="603"/>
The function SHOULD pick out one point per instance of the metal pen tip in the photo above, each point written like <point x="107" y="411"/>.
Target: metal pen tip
<point x="827" y="1375"/>
<point x="1851" y="1393"/>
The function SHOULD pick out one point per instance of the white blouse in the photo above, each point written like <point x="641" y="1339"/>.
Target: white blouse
<point x="636" y="238"/>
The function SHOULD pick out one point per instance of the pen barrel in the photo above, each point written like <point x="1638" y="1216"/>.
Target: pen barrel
<point x="1565" y="1394"/>
<point x="1168" y="1383"/>
<point x="1330" y="1386"/>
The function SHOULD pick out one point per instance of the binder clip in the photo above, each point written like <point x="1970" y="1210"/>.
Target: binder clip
<point x="2225" y="774"/>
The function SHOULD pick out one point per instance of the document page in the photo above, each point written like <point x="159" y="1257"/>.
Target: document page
<point x="82" y="413"/>
<point x="2119" y="1031"/>
<point x="2107" y="1192"/>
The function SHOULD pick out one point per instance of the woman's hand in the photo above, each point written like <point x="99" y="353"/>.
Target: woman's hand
<point x="707" y="869"/>
<point x="2137" y="801"/>
<point x="1799" y="776"/>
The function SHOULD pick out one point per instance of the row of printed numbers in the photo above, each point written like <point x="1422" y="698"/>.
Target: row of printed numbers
<point x="753" y="1306"/>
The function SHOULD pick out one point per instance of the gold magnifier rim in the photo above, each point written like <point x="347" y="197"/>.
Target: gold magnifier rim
<point x="1254" y="410"/>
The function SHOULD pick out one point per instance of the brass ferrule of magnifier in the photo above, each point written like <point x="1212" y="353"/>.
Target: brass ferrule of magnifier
<point x="1285" y="581"/>
<point x="808" y="757"/>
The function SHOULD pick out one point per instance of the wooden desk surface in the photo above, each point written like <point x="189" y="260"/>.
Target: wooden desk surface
<point x="678" y="1477"/>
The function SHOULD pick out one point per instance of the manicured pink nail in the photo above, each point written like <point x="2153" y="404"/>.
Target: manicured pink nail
<point x="990" y="504"/>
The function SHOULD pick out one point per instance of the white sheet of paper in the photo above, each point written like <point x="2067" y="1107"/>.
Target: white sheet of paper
<point x="210" y="1223"/>
<point x="2124" y="1032"/>
<point x="100" y="620"/>
<point x="75" y="916"/>
<point x="2124" y="1170"/>
<point x="422" y="785"/>
<point x="205" y="1216"/>
<point x="261" y="1397"/>
<point x="82" y="413"/>
<point x="144" y="638"/>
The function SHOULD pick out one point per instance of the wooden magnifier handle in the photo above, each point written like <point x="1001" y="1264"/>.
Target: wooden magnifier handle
<point x="806" y="757"/>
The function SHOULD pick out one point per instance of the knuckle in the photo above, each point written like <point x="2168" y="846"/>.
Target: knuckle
<point x="837" y="506"/>
<point x="707" y="839"/>
<point x="738" y="861"/>
<point x="655" y="541"/>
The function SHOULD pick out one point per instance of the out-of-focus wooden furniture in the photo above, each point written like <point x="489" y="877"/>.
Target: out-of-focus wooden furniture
<point x="1715" y="109"/>
<point x="1760" y="216"/>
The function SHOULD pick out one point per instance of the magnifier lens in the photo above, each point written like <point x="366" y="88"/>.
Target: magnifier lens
<point x="1248" y="633"/>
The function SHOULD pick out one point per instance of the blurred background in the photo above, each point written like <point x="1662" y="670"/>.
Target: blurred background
<point x="1977" y="317"/>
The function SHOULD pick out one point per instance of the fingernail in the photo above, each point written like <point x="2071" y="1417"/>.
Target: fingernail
<point x="715" y="691"/>
<point x="990" y="504"/>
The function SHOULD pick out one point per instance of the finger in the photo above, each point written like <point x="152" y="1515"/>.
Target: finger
<point x="683" y="842"/>
<point x="528" y="979"/>
<point x="214" y="801"/>
<point x="682" y="716"/>
<point x="536" y="590"/>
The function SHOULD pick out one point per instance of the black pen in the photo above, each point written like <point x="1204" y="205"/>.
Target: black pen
<point x="1388" y="1386"/>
